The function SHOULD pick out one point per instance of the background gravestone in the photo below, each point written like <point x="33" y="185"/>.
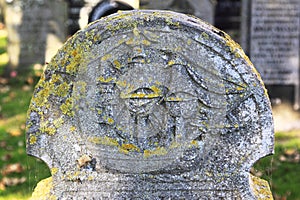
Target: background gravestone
<point x="228" y="17"/>
<point x="35" y="29"/>
<point x="273" y="41"/>
<point x="204" y="9"/>
<point x="152" y="105"/>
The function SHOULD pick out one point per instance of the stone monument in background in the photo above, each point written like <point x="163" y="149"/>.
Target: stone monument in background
<point x="151" y="105"/>
<point x="204" y="9"/>
<point x="35" y="30"/>
<point x="271" y="31"/>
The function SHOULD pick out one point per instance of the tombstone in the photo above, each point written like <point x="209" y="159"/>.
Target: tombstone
<point x="273" y="41"/>
<point x="228" y="17"/>
<point x="35" y="29"/>
<point x="204" y="9"/>
<point x="151" y="105"/>
<point x="86" y="10"/>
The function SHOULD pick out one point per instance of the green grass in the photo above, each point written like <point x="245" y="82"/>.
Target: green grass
<point x="282" y="170"/>
<point x="14" y="105"/>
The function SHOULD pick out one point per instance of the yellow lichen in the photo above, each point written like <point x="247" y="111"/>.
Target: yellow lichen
<point x="106" y="57"/>
<point x="58" y="122"/>
<point x="159" y="151"/>
<point x="67" y="107"/>
<point x="72" y="68"/>
<point x="204" y="35"/>
<point x="42" y="190"/>
<point x="171" y="62"/>
<point x="54" y="170"/>
<point x="45" y="127"/>
<point x="110" y="120"/>
<point x="104" y="141"/>
<point x="72" y="176"/>
<point x="174" y="145"/>
<point x="194" y="143"/>
<point x="73" y="128"/>
<point x="41" y="98"/>
<point x="125" y="148"/>
<point x="156" y="90"/>
<point x="139" y="96"/>
<point x="136" y="32"/>
<point x="62" y="90"/>
<point x="99" y="111"/>
<point x="170" y="22"/>
<point x="32" y="139"/>
<point x="74" y="53"/>
<point x="130" y="41"/>
<point x="174" y="99"/>
<point x="146" y="42"/>
<point x="239" y="88"/>
<point x="56" y="78"/>
<point x="260" y="188"/>
<point x="105" y="80"/>
<point x="121" y="83"/>
<point x="117" y="64"/>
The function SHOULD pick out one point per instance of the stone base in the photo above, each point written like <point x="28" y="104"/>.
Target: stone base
<point x="259" y="187"/>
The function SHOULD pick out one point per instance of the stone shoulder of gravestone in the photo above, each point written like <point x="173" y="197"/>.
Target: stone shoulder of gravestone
<point x="151" y="105"/>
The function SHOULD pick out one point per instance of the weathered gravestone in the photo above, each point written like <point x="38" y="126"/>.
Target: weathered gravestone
<point x="151" y="105"/>
<point x="273" y="41"/>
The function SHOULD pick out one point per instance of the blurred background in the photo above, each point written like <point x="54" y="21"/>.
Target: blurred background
<point x="31" y="32"/>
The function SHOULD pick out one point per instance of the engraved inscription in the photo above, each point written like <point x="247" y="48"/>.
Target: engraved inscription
<point x="275" y="35"/>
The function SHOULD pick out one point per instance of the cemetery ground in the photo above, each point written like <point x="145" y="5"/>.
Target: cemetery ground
<point x="20" y="173"/>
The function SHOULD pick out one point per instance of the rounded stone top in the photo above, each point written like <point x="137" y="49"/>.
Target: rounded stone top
<point x="150" y="91"/>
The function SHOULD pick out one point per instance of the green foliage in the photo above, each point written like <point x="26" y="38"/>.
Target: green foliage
<point x="14" y="104"/>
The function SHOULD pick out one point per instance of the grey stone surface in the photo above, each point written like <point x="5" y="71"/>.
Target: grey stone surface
<point x="150" y="105"/>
